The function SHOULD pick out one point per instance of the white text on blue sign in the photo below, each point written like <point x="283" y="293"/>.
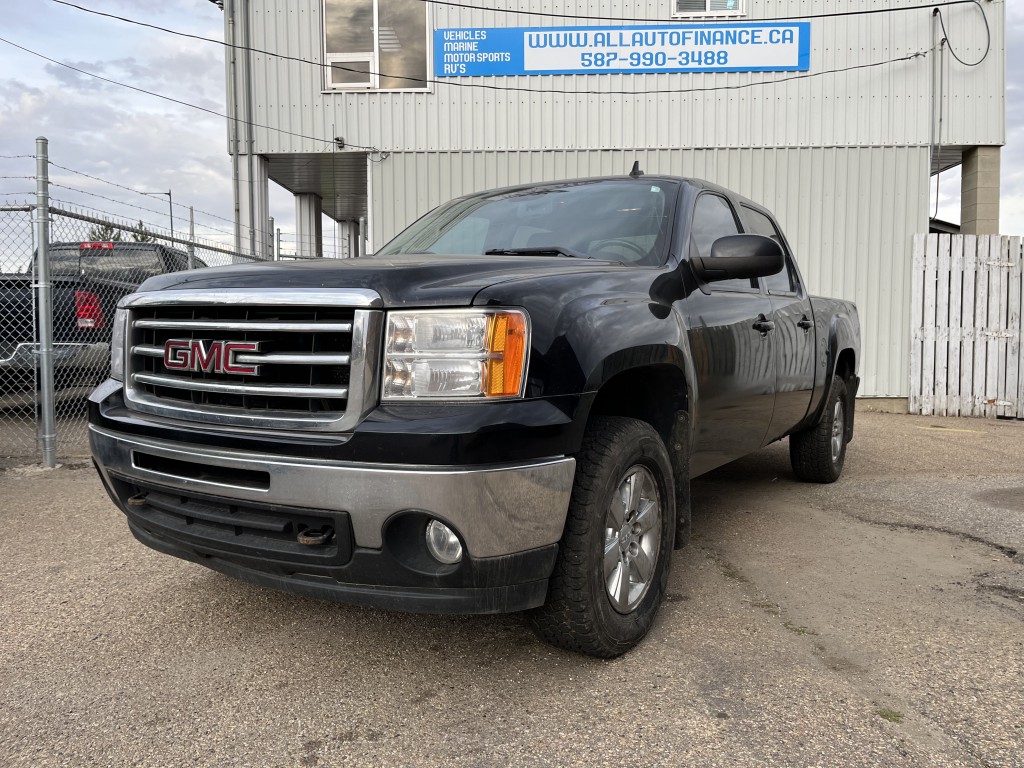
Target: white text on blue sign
<point x="776" y="47"/>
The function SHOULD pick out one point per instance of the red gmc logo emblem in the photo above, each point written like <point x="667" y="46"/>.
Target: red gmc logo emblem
<point x="209" y="356"/>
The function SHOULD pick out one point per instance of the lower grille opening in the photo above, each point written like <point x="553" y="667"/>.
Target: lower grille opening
<point x="281" y="538"/>
<point x="189" y="470"/>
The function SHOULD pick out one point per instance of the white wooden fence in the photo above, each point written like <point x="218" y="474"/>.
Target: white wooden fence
<point x="965" y="354"/>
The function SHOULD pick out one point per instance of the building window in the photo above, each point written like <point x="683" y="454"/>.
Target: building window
<point x="375" y="44"/>
<point x="708" y="7"/>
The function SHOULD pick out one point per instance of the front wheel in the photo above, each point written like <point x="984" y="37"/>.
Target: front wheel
<point x="614" y="557"/>
<point x="818" y="453"/>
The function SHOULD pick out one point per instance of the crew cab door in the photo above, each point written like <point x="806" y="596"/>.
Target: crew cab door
<point x="733" y="350"/>
<point x="794" y="331"/>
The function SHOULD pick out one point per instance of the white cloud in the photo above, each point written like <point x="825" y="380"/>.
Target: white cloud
<point x="111" y="132"/>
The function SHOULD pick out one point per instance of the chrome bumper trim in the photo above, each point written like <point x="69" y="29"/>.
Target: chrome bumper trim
<point x="498" y="510"/>
<point x="197" y="385"/>
<point x="214" y="325"/>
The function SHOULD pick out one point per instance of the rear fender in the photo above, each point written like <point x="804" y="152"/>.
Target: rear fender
<point x="843" y="336"/>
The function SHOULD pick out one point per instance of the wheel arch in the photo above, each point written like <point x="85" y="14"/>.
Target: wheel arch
<point x="843" y="343"/>
<point x="654" y="393"/>
<point x="666" y="405"/>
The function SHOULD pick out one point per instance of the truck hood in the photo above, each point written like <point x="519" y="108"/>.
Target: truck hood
<point x="409" y="280"/>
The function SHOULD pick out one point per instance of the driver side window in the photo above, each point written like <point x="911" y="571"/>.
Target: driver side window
<point x="713" y="217"/>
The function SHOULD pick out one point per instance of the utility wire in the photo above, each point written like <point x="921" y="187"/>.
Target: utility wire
<point x="119" y="221"/>
<point x="568" y="92"/>
<point x="678" y="20"/>
<point x="577" y="16"/>
<point x="130" y="205"/>
<point x="14" y="157"/>
<point x="129" y="189"/>
<point x="739" y="86"/>
<point x="204" y="39"/>
<point x="458" y="84"/>
<point x="169" y="98"/>
<point x="111" y="200"/>
<point x="949" y="43"/>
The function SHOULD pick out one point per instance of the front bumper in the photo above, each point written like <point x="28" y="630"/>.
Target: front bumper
<point x="239" y="512"/>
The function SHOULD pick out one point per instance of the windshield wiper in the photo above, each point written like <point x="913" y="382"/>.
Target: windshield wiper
<point x="540" y="250"/>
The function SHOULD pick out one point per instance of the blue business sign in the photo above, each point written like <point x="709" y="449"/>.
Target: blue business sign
<point x="747" y="47"/>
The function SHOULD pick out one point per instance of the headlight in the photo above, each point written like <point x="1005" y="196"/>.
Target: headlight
<point x="117" y="344"/>
<point x="455" y="354"/>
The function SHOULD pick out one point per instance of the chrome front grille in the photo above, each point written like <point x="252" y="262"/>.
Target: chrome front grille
<point x="276" y="361"/>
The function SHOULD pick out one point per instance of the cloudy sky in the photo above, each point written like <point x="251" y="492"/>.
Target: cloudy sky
<point x="145" y="143"/>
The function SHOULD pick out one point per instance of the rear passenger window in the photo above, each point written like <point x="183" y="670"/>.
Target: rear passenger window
<point x="713" y="218"/>
<point x="786" y="281"/>
<point x="129" y="264"/>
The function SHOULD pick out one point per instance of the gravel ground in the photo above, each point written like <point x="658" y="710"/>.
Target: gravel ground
<point x="876" y="621"/>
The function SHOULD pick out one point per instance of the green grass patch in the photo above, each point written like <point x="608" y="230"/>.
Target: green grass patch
<point x="890" y="714"/>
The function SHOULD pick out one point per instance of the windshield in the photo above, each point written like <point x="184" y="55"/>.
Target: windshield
<point x="613" y="220"/>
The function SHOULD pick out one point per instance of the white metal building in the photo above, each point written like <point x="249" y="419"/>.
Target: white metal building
<point x="378" y="110"/>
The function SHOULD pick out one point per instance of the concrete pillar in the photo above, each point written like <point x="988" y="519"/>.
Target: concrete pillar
<point x="979" y="192"/>
<point x="346" y="239"/>
<point x="309" y="229"/>
<point x="252" y="195"/>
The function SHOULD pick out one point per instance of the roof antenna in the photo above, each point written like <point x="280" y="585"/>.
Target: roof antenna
<point x="636" y="173"/>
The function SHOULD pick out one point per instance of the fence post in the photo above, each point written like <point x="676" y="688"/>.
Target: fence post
<point x="45" y="301"/>
<point x="191" y="237"/>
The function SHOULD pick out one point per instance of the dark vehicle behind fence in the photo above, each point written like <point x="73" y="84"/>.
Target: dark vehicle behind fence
<point x="88" y="280"/>
<point x="501" y="410"/>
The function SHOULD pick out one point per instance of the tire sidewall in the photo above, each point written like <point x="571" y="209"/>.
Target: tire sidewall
<point x="838" y="394"/>
<point x="626" y="629"/>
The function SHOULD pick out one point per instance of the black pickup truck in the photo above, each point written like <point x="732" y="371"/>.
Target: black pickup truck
<point x="501" y="410"/>
<point x="87" y="279"/>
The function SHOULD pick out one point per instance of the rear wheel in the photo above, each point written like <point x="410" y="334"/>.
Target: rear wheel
<point x="818" y="453"/>
<point x="614" y="556"/>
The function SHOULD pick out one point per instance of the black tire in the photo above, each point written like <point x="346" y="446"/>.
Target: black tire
<point x="580" y="614"/>
<point x="818" y="453"/>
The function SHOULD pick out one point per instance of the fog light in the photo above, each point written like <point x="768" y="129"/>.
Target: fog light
<point x="442" y="543"/>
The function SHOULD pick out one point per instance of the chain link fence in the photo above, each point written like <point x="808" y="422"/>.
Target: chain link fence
<point x="18" y="333"/>
<point x="94" y="260"/>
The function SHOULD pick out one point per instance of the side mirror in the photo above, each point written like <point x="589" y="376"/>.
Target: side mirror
<point x="740" y="256"/>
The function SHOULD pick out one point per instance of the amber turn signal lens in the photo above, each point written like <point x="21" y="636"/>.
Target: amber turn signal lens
<point x="506" y="347"/>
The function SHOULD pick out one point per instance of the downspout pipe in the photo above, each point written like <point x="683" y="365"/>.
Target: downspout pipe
<point x="232" y="102"/>
<point x="250" y="139"/>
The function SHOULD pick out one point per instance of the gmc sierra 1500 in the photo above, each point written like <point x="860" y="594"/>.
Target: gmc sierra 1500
<point x="501" y="410"/>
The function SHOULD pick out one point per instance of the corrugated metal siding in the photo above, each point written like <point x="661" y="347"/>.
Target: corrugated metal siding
<point x="842" y="158"/>
<point x="886" y="105"/>
<point x="850" y="215"/>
